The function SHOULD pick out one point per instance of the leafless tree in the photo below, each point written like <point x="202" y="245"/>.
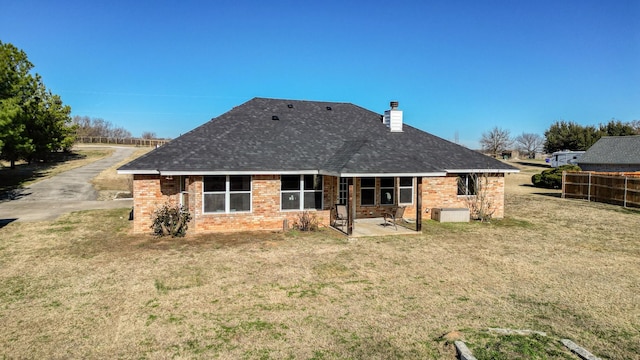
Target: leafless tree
<point x="480" y="202"/>
<point x="496" y="141"/>
<point x="149" y="135"/>
<point x="529" y="144"/>
<point x="635" y="124"/>
<point x="120" y="133"/>
<point x="98" y="127"/>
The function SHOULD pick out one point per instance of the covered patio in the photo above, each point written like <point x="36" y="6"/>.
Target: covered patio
<point x="362" y="202"/>
<point x="377" y="227"/>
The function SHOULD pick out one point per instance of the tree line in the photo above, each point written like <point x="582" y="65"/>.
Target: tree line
<point x="561" y="135"/>
<point x="97" y="127"/>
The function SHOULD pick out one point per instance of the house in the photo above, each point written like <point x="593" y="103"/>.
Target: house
<point x="259" y="165"/>
<point x="612" y="154"/>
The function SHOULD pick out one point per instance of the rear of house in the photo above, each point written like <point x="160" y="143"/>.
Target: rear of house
<point x="266" y="161"/>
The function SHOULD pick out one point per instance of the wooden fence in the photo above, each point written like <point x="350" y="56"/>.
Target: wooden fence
<point x="121" y="141"/>
<point x="619" y="189"/>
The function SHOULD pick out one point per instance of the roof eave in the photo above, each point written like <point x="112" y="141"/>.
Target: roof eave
<point x="138" y="172"/>
<point x="466" y="171"/>
<point x="398" y="174"/>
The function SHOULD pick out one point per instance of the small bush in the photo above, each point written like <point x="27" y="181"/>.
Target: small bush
<point x="170" y="219"/>
<point x="306" y="222"/>
<point x="552" y="178"/>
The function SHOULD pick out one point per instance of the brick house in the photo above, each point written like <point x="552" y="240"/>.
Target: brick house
<point x="267" y="160"/>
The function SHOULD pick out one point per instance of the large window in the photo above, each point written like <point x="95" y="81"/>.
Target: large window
<point x="227" y="194"/>
<point x="467" y="184"/>
<point x="367" y="191"/>
<point x="300" y="192"/>
<point x="387" y="191"/>
<point x="405" y="190"/>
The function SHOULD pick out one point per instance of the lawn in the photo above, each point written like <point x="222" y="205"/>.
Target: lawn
<point x="84" y="286"/>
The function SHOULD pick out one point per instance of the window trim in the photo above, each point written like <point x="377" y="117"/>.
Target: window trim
<point x="368" y="188"/>
<point x="392" y="192"/>
<point x="227" y="196"/>
<point x="302" y="192"/>
<point x="412" y="187"/>
<point x="467" y="178"/>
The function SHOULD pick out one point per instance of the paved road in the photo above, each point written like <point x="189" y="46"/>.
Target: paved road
<point x="63" y="193"/>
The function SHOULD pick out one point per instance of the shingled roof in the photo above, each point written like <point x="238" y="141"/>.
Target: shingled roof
<point x="615" y="150"/>
<point x="276" y="136"/>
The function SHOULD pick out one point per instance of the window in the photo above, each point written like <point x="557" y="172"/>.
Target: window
<point x="405" y="190"/>
<point x="466" y="184"/>
<point x="343" y="191"/>
<point x="367" y="191"/>
<point x="300" y="192"/>
<point x="387" y="191"/>
<point x="227" y="194"/>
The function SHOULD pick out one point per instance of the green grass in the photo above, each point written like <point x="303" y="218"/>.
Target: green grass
<point x="491" y="346"/>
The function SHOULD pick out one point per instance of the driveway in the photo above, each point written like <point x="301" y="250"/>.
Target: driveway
<point x="63" y="193"/>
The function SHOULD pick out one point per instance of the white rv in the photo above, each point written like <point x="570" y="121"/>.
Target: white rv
<point x="565" y="157"/>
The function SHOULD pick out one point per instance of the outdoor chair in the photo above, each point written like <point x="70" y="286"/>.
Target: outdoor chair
<point x="392" y="218"/>
<point x="341" y="216"/>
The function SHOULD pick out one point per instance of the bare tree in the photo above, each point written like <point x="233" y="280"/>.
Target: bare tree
<point x="149" y="135"/>
<point x="120" y="133"/>
<point x="529" y="144"/>
<point x="635" y="124"/>
<point x="479" y="200"/>
<point x="97" y="127"/>
<point x="495" y="141"/>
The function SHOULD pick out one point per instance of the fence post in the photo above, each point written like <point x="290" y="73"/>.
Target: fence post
<point x="564" y="179"/>
<point x="625" y="191"/>
<point x="589" y="189"/>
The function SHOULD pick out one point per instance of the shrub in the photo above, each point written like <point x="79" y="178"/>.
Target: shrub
<point x="306" y="222"/>
<point x="170" y="219"/>
<point x="481" y="204"/>
<point x="552" y="178"/>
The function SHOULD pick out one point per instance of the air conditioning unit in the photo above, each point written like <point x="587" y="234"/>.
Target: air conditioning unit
<point x="450" y="214"/>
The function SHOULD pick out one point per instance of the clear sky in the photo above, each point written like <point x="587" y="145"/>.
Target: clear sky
<point x="455" y="66"/>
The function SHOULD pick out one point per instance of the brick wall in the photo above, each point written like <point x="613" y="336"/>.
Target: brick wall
<point x="151" y="191"/>
<point x="437" y="192"/>
<point x="442" y="192"/>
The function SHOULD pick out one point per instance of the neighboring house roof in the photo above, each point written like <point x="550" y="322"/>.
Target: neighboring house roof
<point x="617" y="150"/>
<point x="308" y="137"/>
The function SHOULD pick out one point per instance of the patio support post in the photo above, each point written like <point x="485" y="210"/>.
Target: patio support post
<point x="351" y="207"/>
<point x="419" y="203"/>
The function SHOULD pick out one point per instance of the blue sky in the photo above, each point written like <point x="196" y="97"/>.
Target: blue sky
<point x="455" y="66"/>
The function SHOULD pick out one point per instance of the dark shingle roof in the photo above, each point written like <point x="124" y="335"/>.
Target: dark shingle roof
<point x="339" y="138"/>
<point x="613" y="150"/>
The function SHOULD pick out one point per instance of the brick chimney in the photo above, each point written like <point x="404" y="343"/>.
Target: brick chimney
<point x="393" y="117"/>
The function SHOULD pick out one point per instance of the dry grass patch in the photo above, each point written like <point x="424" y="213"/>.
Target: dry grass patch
<point x="84" y="287"/>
